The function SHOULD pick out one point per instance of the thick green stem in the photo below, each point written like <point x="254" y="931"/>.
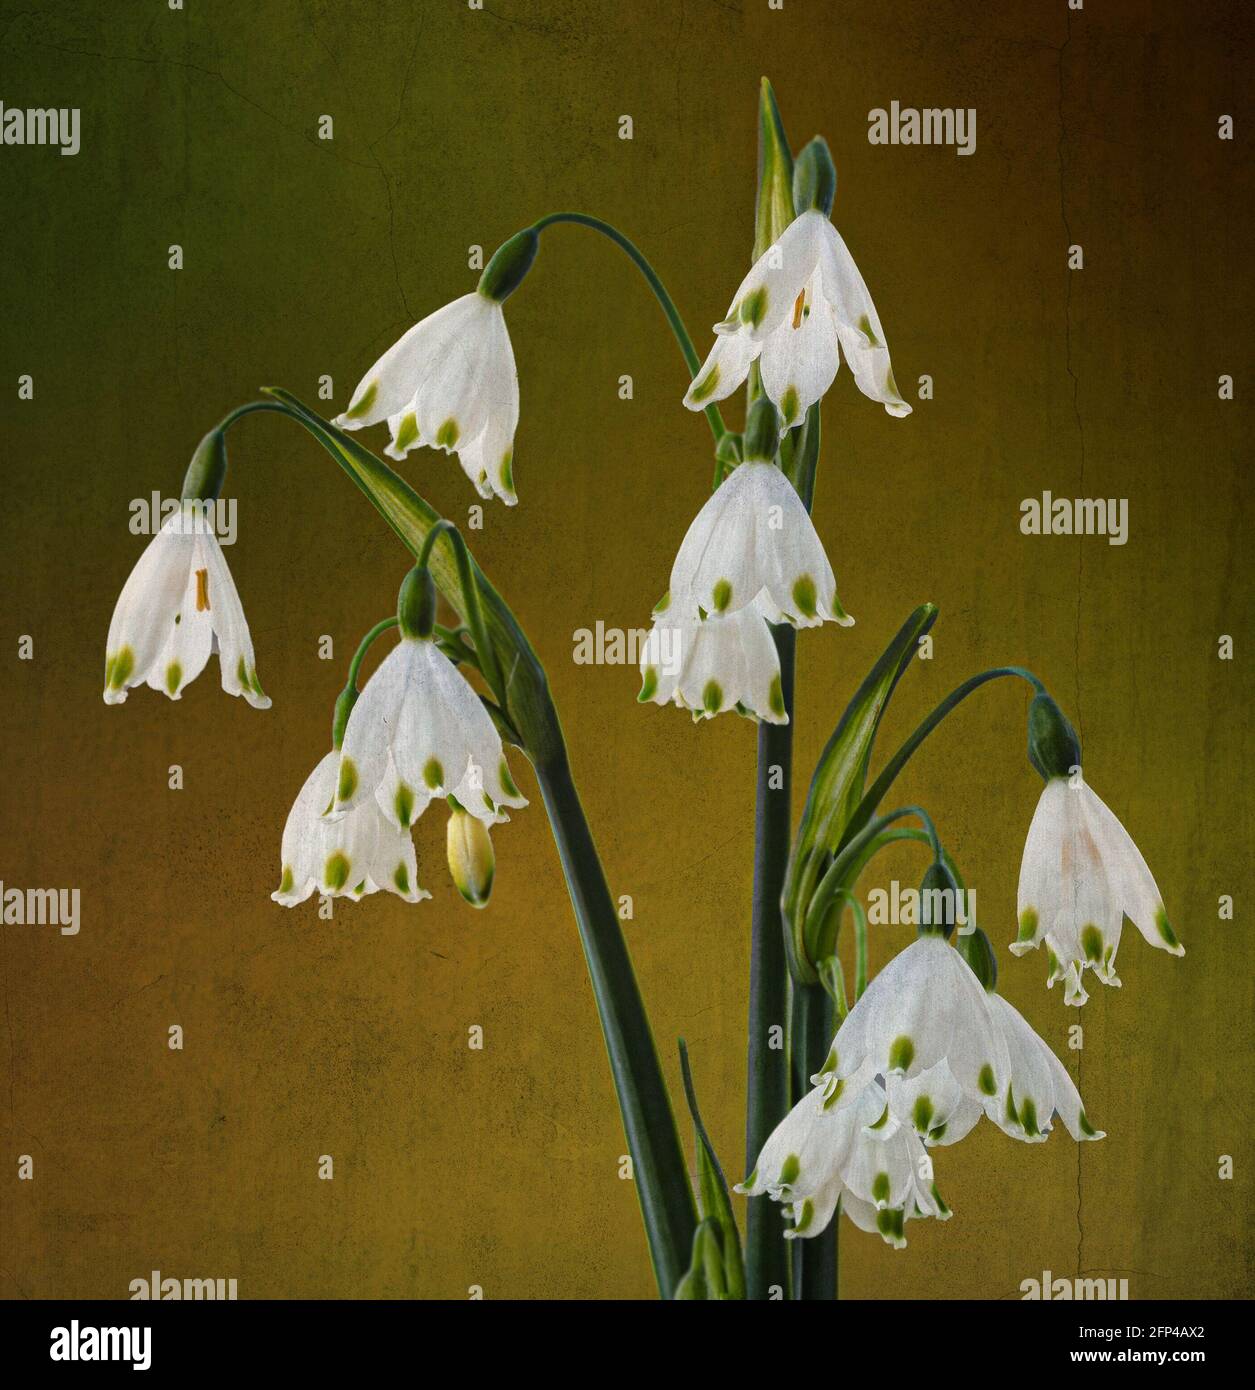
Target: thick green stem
<point x="811" y="1030"/>
<point x="767" y="1083"/>
<point x="692" y="360"/>
<point x="659" y="1169"/>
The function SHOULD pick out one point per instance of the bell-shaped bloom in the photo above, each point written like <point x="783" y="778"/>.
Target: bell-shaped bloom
<point x="801" y="308"/>
<point x="925" y="1008"/>
<point x="418" y="731"/>
<point x="753" y="543"/>
<point x="449" y="383"/>
<point x="178" y="605"/>
<point x="350" y="856"/>
<point x="857" y="1155"/>
<point x="713" y="664"/>
<point x="1081" y="875"/>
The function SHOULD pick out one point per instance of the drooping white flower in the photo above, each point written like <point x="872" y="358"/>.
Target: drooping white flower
<point x="1081" y="875"/>
<point x="803" y="298"/>
<point x="449" y="383"/>
<point x="178" y="605"/>
<point x="753" y="544"/>
<point x="348" y="856"/>
<point x="714" y="664"/>
<point x="418" y="731"/>
<point x="925" y="1008"/>
<point x="857" y="1155"/>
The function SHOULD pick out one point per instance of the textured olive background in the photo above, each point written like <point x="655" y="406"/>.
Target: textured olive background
<point x="454" y="127"/>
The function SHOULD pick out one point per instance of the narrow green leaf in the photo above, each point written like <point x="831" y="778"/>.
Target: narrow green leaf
<point x="838" y="782"/>
<point x="713" y="1200"/>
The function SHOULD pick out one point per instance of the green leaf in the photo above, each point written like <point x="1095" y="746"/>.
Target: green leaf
<point x="774" y="209"/>
<point x="713" y="1200"/>
<point x="837" y="785"/>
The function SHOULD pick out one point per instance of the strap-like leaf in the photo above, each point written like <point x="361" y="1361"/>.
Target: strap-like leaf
<point x="838" y="782"/>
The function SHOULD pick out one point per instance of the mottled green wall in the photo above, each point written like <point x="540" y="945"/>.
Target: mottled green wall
<point x="499" y="1168"/>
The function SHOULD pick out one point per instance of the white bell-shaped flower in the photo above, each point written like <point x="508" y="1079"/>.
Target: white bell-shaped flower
<point x="802" y="307"/>
<point x="179" y="605"/>
<point x="1081" y="875"/>
<point x="858" y="1155"/>
<point x="753" y="544"/>
<point x="714" y="664"/>
<point x="349" y="856"/>
<point x="926" y="1007"/>
<point x="417" y="732"/>
<point x="449" y="383"/>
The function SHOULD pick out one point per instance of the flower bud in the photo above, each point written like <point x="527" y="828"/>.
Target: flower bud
<point x="938" y="901"/>
<point x="207" y="470"/>
<point x="762" y="432"/>
<point x="1053" y="747"/>
<point x="510" y="263"/>
<point x="976" y="948"/>
<point x="471" y="860"/>
<point x="416" y="604"/>
<point x="814" y="179"/>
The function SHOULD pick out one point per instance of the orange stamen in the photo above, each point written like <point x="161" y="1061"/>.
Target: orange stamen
<point x="202" y="590"/>
<point x="797" y="309"/>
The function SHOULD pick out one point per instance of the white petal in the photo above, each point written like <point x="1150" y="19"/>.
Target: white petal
<point x="724" y="370"/>
<point x="715" y="665"/>
<point x="302" y="850"/>
<point x="858" y="324"/>
<point x="1024" y="1111"/>
<point x="472" y="378"/>
<point x="144" y="613"/>
<point x="800" y="358"/>
<point x="395" y="865"/>
<point x="235" y="645"/>
<point x="371" y="728"/>
<point x="1134" y="885"/>
<point x="769" y="292"/>
<point x="1041" y="867"/>
<point x="187" y="648"/>
<point x="390" y="386"/>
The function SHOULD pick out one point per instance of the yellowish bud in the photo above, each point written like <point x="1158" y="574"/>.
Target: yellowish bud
<point x="471" y="860"/>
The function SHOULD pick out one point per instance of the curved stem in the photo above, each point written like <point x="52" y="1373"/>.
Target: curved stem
<point x="692" y="360"/>
<point x="837" y="875"/>
<point x="250" y="408"/>
<point x="474" y="613"/>
<point x="364" y="646"/>
<point x="875" y="793"/>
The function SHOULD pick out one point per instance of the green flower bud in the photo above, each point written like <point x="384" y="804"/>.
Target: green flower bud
<point x="976" y="948"/>
<point x="510" y="263"/>
<point x="938" y="901"/>
<point x="471" y="860"/>
<point x="1053" y="747"/>
<point x="814" y="179"/>
<point x="762" y="432"/>
<point x="207" y="470"/>
<point x="416" y="604"/>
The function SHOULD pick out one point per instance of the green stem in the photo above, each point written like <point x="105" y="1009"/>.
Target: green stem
<point x="814" y="1259"/>
<point x="658" y="1166"/>
<point x="473" y="612"/>
<point x="767" y="1081"/>
<point x="841" y="873"/>
<point x="872" y="798"/>
<point x="359" y="656"/>
<point x="692" y="360"/>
